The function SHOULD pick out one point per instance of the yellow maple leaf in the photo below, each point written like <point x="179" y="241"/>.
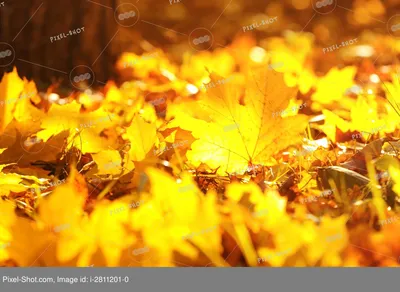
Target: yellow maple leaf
<point x="11" y="86"/>
<point x="171" y="220"/>
<point x="19" y="239"/>
<point x="12" y="182"/>
<point x="144" y="66"/>
<point x="78" y="235"/>
<point x="7" y="219"/>
<point x="283" y="237"/>
<point x="108" y="162"/>
<point x="238" y="135"/>
<point x="84" y="128"/>
<point x="15" y="101"/>
<point x="333" y="86"/>
<point x="392" y="90"/>
<point x="25" y="112"/>
<point x="268" y="219"/>
<point x="327" y="241"/>
<point x="363" y="117"/>
<point x="102" y="231"/>
<point x="289" y="55"/>
<point x="65" y="205"/>
<point x="194" y="67"/>
<point x="142" y="136"/>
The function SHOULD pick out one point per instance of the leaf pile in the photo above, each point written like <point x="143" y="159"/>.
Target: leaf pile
<point x="224" y="160"/>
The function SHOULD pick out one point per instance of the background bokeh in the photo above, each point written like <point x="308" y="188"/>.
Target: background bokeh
<point x="50" y="18"/>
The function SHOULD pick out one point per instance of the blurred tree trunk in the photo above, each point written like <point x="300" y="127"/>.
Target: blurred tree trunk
<point x="28" y="26"/>
<point x="31" y="40"/>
